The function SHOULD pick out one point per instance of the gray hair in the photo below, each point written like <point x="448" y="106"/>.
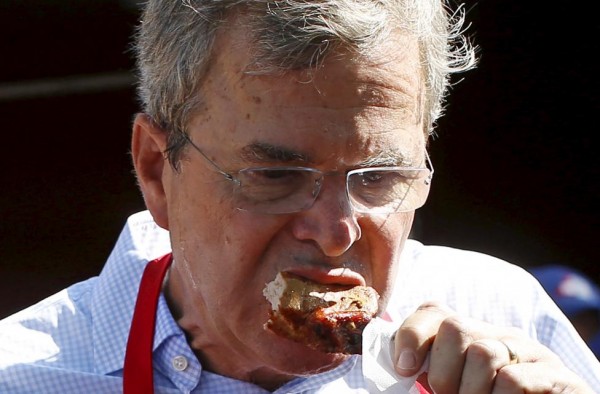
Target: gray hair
<point x="175" y="37"/>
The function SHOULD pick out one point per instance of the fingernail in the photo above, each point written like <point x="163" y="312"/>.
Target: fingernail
<point x="407" y="360"/>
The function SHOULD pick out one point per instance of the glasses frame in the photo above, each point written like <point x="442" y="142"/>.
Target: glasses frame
<point x="232" y="178"/>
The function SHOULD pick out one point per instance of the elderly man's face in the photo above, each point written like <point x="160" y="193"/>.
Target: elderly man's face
<point x="343" y="115"/>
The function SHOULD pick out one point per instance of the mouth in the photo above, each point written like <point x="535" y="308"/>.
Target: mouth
<point x="334" y="276"/>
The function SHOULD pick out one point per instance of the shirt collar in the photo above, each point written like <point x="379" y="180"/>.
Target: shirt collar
<point x="114" y="296"/>
<point x="172" y="355"/>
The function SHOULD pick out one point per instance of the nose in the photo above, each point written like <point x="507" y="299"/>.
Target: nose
<point x="331" y="222"/>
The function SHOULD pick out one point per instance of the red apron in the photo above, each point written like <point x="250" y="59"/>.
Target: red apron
<point x="137" y="370"/>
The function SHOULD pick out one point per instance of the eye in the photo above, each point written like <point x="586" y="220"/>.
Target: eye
<point x="380" y="179"/>
<point x="278" y="174"/>
<point x="261" y="185"/>
<point x="379" y="187"/>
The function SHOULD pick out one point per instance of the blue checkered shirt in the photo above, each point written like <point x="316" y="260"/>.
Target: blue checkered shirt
<point x="75" y="340"/>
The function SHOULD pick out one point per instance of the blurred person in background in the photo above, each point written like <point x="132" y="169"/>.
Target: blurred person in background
<point x="577" y="295"/>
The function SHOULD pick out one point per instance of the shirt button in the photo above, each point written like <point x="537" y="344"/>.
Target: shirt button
<point x="180" y="363"/>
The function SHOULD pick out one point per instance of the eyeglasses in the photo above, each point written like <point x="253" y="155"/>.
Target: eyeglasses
<point x="373" y="190"/>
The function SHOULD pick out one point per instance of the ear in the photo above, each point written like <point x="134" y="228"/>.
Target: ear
<point x="147" y="146"/>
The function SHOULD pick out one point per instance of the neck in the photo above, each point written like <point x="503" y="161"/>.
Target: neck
<point x="217" y="350"/>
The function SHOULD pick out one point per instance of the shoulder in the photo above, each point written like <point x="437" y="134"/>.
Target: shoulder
<point x="443" y="256"/>
<point x="437" y="264"/>
<point x="61" y="329"/>
<point x="473" y="283"/>
<point x="45" y="331"/>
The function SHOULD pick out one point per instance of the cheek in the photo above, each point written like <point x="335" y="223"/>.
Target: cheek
<point x="224" y="245"/>
<point x="223" y="261"/>
<point x="387" y="238"/>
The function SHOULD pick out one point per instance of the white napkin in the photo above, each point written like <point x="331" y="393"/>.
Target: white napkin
<point x="378" y="367"/>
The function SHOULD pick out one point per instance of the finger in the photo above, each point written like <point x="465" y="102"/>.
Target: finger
<point x="495" y="366"/>
<point x="415" y="336"/>
<point x="459" y="359"/>
<point x="449" y="352"/>
<point x="484" y="358"/>
<point x="538" y="378"/>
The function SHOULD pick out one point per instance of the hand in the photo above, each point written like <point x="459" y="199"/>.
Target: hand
<point x="470" y="356"/>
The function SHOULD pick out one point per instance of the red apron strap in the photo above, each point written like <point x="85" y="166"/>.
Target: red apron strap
<point x="421" y="389"/>
<point x="137" y="371"/>
<point x="422" y="385"/>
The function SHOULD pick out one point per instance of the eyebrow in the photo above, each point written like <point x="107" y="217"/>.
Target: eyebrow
<point x="262" y="152"/>
<point x="388" y="158"/>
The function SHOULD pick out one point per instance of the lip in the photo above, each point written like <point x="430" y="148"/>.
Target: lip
<point x="338" y="276"/>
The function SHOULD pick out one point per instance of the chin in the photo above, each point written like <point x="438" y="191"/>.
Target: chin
<point x="288" y="362"/>
<point x="295" y="359"/>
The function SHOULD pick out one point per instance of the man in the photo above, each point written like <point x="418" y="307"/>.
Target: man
<point x="277" y="137"/>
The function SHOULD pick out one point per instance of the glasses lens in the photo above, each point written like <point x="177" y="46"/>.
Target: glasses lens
<point x="388" y="190"/>
<point x="277" y="189"/>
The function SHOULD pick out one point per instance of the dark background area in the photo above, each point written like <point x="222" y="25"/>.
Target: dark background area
<point x="515" y="156"/>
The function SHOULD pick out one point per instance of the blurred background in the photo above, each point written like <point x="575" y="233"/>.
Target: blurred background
<point x="515" y="156"/>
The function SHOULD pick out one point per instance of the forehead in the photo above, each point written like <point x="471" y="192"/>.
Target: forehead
<point x="350" y="107"/>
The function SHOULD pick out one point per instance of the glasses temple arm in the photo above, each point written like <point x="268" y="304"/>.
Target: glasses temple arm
<point x="212" y="163"/>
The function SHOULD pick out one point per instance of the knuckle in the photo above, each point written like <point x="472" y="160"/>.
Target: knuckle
<point x="482" y="351"/>
<point x="453" y="323"/>
<point x="408" y="331"/>
<point x="507" y="378"/>
<point x="455" y="328"/>
<point x="433" y="307"/>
